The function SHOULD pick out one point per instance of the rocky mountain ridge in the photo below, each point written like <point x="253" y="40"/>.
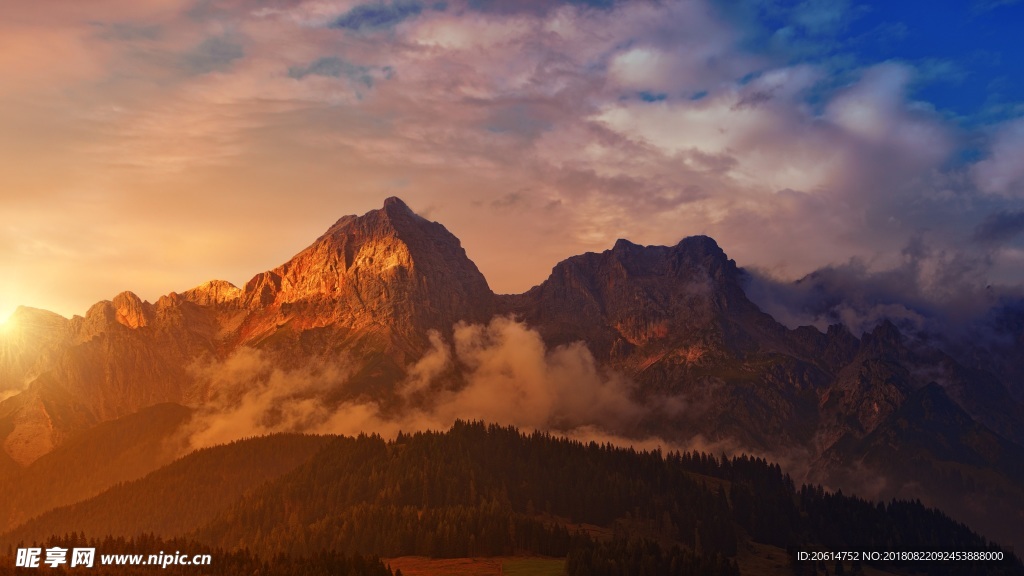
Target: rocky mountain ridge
<point x="674" y="320"/>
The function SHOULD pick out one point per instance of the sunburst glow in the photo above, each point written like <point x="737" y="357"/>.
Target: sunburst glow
<point x="6" y="321"/>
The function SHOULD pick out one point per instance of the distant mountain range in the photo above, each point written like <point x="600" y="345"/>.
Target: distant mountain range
<point x="385" y="312"/>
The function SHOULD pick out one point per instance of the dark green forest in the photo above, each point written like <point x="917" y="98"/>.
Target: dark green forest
<point x="486" y="490"/>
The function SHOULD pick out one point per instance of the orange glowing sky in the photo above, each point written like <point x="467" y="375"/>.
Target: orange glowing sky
<point x="152" y="146"/>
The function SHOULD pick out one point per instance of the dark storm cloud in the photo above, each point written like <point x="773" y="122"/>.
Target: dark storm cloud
<point x="932" y="291"/>
<point x="1000" y="227"/>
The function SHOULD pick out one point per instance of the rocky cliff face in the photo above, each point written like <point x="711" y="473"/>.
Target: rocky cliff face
<point x="389" y="275"/>
<point x="634" y="297"/>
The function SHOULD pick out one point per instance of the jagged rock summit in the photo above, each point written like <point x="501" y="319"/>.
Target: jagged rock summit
<point x="388" y="265"/>
<point x="386" y="269"/>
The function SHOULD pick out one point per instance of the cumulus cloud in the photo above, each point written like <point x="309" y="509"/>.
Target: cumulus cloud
<point x="513" y="378"/>
<point x="1002" y="171"/>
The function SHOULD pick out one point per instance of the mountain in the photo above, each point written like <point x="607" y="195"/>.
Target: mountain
<point x="377" y="296"/>
<point x="382" y="279"/>
<point x="123" y="356"/>
<point x="370" y="287"/>
<point x="93" y="460"/>
<point x="179" y="496"/>
<point x="930" y="448"/>
<point x="677" y="321"/>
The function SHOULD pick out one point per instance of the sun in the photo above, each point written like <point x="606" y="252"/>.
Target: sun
<point x="6" y="322"/>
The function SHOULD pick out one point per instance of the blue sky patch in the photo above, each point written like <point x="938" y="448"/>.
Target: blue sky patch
<point x="378" y="16"/>
<point x="965" y="54"/>
<point x="334" y="67"/>
<point x="648" y="96"/>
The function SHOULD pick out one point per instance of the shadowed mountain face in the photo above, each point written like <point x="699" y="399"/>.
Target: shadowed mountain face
<point x="702" y="362"/>
<point x="89" y="462"/>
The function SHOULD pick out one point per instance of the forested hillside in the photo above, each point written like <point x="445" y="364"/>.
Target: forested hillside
<point x="181" y="495"/>
<point x="479" y="490"/>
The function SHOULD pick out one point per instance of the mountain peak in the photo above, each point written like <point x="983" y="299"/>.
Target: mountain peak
<point x="30" y="315"/>
<point x="623" y="244"/>
<point x="884" y="339"/>
<point x="131" y="310"/>
<point x="395" y="205"/>
<point x="213" y="292"/>
<point x="388" y="220"/>
<point x="702" y="244"/>
<point x="387" y="267"/>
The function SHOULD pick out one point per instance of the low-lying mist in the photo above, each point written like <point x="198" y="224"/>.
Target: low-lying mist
<point x="507" y="375"/>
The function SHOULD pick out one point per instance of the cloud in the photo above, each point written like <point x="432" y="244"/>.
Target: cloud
<point x="215" y="54"/>
<point x="981" y="6"/>
<point x="1002" y="171"/>
<point x="521" y="119"/>
<point x="513" y="378"/>
<point x="931" y="292"/>
<point x="499" y="372"/>
<point x="431" y="366"/>
<point x="589" y="107"/>
<point x="248" y="395"/>
<point x="537" y="7"/>
<point x="820" y="17"/>
<point x="1000" y="227"/>
<point x="327" y="66"/>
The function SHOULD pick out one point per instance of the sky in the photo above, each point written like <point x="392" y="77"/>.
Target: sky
<point x="152" y="146"/>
